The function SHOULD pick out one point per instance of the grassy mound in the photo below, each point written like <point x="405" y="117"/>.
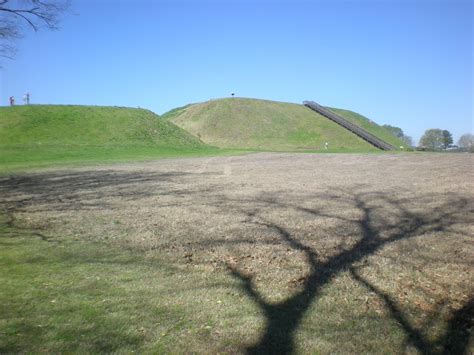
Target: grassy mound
<point x="46" y="134"/>
<point x="268" y="125"/>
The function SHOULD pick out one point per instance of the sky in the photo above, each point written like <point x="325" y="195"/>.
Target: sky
<point x="407" y="63"/>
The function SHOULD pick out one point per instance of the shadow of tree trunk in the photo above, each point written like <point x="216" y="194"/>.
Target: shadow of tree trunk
<point x="284" y="318"/>
<point x="460" y="326"/>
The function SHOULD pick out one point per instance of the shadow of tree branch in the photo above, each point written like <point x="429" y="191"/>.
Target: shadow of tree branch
<point x="283" y="318"/>
<point x="415" y="336"/>
<point x="454" y="341"/>
<point x="11" y="228"/>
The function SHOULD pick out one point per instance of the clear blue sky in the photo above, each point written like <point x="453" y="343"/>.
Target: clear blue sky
<point x="405" y="63"/>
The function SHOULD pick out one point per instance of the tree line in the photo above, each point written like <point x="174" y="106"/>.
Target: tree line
<point x="435" y="139"/>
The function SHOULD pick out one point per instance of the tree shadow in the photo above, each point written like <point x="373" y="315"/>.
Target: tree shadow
<point x="454" y="341"/>
<point x="381" y="220"/>
<point x="87" y="190"/>
<point x="9" y="228"/>
<point x="457" y="337"/>
<point x="375" y="232"/>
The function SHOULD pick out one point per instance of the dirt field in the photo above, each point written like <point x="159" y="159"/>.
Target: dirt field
<point x="310" y="243"/>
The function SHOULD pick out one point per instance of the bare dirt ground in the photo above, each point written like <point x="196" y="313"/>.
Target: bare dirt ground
<point x="388" y="236"/>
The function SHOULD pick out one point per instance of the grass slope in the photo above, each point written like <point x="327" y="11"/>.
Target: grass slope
<point x="370" y="126"/>
<point x="45" y="134"/>
<point x="175" y="112"/>
<point x="268" y="125"/>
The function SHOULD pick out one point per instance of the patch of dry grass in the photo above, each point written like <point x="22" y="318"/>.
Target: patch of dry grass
<point x="277" y="252"/>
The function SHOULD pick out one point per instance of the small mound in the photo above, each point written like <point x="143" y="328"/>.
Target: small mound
<point x="88" y="125"/>
<point x="44" y="135"/>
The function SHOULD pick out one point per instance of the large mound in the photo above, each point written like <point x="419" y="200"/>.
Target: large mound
<point x="269" y="125"/>
<point x="49" y="134"/>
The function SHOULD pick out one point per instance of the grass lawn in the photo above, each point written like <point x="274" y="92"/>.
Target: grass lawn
<point x="19" y="158"/>
<point x="259" y="253"/>
<point x="59" y="295"/>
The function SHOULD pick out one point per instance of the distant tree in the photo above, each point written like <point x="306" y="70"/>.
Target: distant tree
<point x="433" y="139"/>
<point x="396" y="131"/>
<point x="17" y="15"/>
<point x="447" y="138"/>
<point x="466" y="141"/>
<point x="408" y="140"/>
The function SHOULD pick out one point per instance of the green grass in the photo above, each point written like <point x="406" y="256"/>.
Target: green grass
<point x="61" y="294"/>
<point x="268" y="125"/>
<point x="45" y="135"/>
<point x="70" y="296"/>
<point x="174" y="112"/>
<point x="88" y="125"/>
<point x="27" y="157"/>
